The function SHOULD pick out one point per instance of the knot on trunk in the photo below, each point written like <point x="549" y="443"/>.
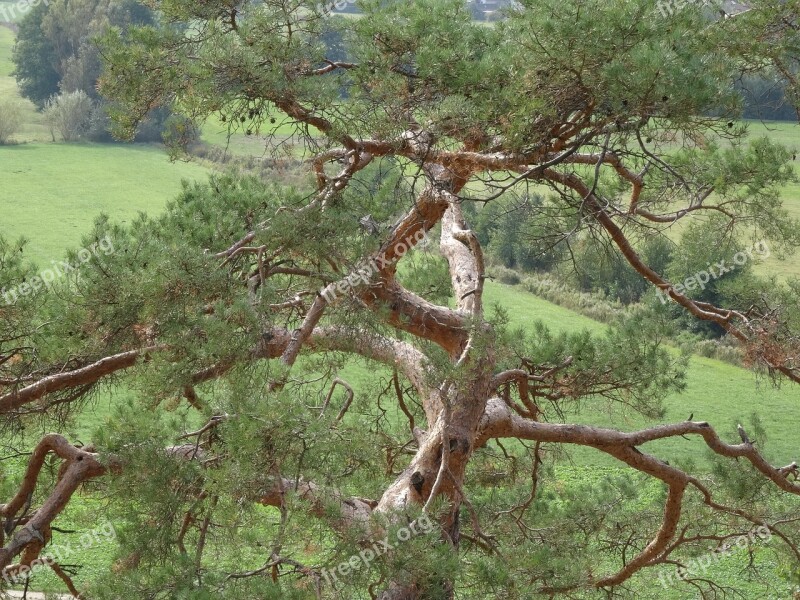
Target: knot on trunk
<point x="459" y="445"/>
<point x="417" y="481"/>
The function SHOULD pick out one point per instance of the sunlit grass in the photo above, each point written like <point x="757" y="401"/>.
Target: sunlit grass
<point x="51" y="193"/>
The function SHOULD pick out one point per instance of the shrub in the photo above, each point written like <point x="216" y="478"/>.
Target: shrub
<point x="726" y="348"/>
<point x="69" y="114"/>
<point x="10" y="118"/>
<point x="594" y="305"/>
<point x="514" y="233"/>
<point x="604" y="269"/>
<point x="506" y="276"/>
<point x="99" y="127"/>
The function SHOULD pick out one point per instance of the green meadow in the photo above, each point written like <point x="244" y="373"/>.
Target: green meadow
<point x="51" y="193"/>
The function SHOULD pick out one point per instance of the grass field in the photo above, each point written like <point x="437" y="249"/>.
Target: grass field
<point x="717" y="392"/>
<point x="273" y="140"/>
<point x="51" y="193"/>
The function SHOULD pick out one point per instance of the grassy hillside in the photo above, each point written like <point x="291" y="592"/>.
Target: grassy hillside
<point x="717" y="392"/>
<point x="52" y="192"/>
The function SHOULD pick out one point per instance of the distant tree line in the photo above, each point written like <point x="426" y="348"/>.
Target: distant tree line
<point x="515" y="233"/>
<point x="766" y="99"/>
<point x="57" y="66"/>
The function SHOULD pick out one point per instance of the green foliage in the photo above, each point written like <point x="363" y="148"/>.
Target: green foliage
<point x="600" y="267"/>
<point x="69" y="115"/>
<point x="627" y="366"/>
<point x="428" y="276"/>
<point x="10" y="119"/>
<point x="729" y="284"/>
<point x="16" y="311"/>
<point x="35" y="58"/>
<point x="515" y="232"/>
